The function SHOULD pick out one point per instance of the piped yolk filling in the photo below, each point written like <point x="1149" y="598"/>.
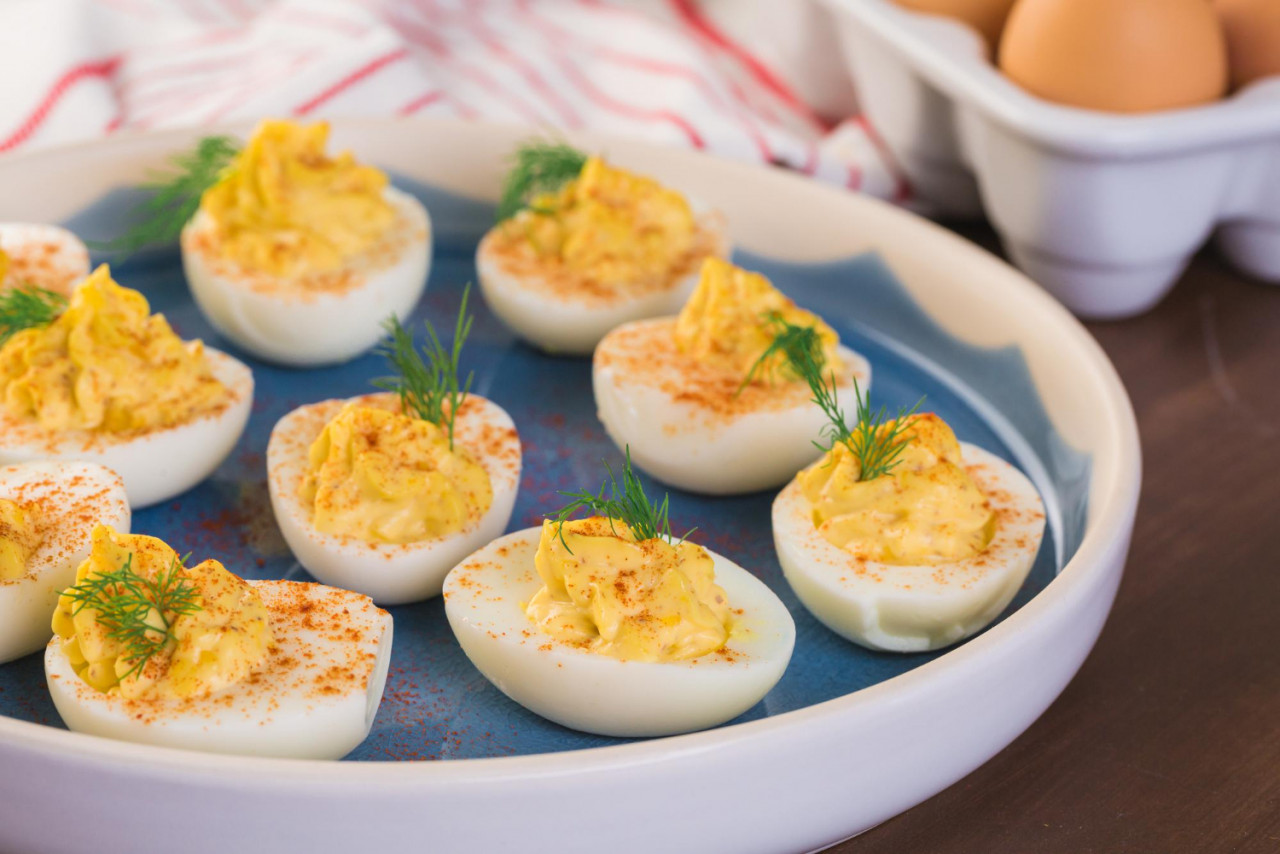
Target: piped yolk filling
<point x="926" y="510"/>
<point x="19" y="539"/>
<point x="286" y="208"/>
<point x="218" y="642"/>
<point x="383" y="477"/>
<point x="726" y="323"/>
<point x="646" y="600"/>
<point x="609" y="224"/>
<point x="107" y="364"/>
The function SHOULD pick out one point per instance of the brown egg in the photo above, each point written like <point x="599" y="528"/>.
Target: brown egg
<point x="1253" y="38"/>
<point x="985" y="16"/>
<point x="1123" y="56"/>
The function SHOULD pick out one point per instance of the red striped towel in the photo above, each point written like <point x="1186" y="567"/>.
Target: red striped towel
<point x="745" y="80"/>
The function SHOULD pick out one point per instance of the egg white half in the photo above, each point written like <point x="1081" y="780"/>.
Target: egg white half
<point x="156" y="465"/>
<point x="391" y="573"/>
<point x="70" y="498"/>
<point x="315" y="697"/>
<point x="484" y="599"/>
<point x="654" y="399"/>
<point x="46" y="256"/>
<point x="914" y="608"/>
<point x="572" y="324"/>
<point x="283" y="322"/>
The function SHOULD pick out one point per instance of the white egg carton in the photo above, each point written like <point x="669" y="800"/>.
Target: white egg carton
<point x="1105" y="211"/>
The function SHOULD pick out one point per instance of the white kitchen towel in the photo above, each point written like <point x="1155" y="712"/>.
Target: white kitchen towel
<point x="734" y="77"/>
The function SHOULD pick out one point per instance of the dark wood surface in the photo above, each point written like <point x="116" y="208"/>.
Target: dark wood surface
<point x="1168" y="740"/>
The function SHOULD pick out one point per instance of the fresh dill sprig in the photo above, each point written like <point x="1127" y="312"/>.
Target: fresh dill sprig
<point x="628" y="504"/>
<point x="427" y="380"/>
<point x="537" y="167"/>
<point x="799" y="345"/>
<point x="176" y="194"/>
<point x="26" y="306"/>
<point x="137" y="611"/>
<point x="876" y="443"/>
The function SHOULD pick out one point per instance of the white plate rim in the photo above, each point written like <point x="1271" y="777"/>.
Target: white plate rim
<point x="1093" y="571"/>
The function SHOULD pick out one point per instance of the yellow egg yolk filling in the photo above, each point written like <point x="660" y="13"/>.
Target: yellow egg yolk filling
<point x="726" y="323"/>
<point x="645" y="600"/>
<point x="215" y="643"/>
<point x="383" y="477"/>
<point x="926" y="510"/>
<point x="611" y="225"/>
<point x="19" y="538"/>
<point x="286" y="208"/>
<point x="107" y="364"/>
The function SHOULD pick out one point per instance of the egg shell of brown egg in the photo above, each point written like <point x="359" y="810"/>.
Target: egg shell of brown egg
<point x="1121" y="56"/>
<point x="985" y="16"/>
<point x="1253" y="38"/>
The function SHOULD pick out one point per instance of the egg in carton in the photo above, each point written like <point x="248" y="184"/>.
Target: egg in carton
<point x="1105" y="210"/>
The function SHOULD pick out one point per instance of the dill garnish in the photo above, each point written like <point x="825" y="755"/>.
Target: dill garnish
<point x="647" y="521"/>
<point x="537" y="167"/>
<point x="876" y="443"/>
<point x="427" y="381"/>
<point x="136" y="611"/>
<point x="797" y="344"/>
<point x="26" y="306"/>
<point x="875" y="440"/>
<point x="176" y="194"/>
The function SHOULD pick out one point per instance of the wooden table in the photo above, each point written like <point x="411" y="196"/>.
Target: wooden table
<point x="1168" y="740"/>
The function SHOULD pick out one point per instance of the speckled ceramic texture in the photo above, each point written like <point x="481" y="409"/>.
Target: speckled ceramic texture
<point x="437" y="706"/>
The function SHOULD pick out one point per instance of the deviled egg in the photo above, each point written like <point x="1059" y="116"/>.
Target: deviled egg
<point x="582" y="246"/>
<point x="297" y="256"/>
<point x="149" y="650"/>
<point x="41" y="256"/>
<point x="903" y="539"/>
<point x="610" y="625"/>
<point x="385" y="493"/>
<point x="108" y="382"/>
<point x="47" y="512"/>
<point x="709" y="401"/>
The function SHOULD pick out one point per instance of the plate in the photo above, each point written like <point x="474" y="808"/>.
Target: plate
<point x="847" y="739"/>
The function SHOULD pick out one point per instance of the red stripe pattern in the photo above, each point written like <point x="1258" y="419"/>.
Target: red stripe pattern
<point x="664" y="70"/>
<point x="365" y="71"/>
<point x="61" y="86"/>
<point x="688" y="11"/>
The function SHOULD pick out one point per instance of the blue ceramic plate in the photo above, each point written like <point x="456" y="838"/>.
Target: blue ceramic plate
<point x="436" y="705"/>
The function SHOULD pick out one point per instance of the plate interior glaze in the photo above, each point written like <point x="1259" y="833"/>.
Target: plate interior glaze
<point x="437" y="706"/>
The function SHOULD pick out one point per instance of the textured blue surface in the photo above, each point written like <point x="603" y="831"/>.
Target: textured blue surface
<point x="437" y="705"/>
